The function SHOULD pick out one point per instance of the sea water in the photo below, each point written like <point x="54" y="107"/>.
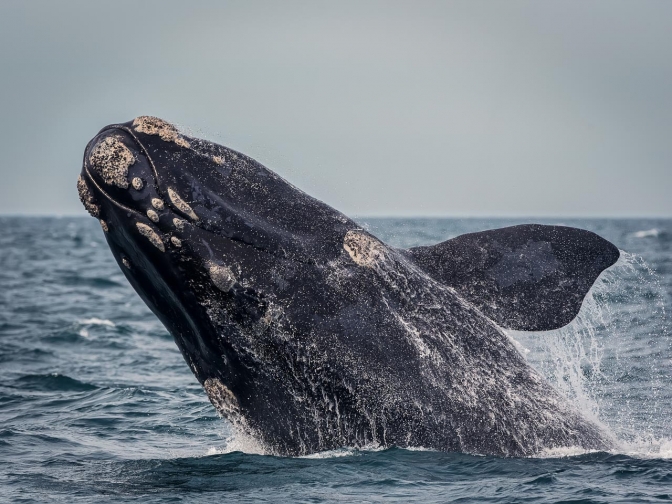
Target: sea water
<point x="97" y="404"/>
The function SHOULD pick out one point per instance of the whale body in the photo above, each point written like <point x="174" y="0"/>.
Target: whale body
<point x="309" y="333"/>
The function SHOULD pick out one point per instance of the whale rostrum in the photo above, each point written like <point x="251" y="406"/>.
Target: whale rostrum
<point x="309" y="333"/>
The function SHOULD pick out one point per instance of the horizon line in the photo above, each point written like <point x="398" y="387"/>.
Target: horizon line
<point x="406" y="216"/>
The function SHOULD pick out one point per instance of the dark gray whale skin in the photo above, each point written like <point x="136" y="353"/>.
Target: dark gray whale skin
<point x="309" y="334"/>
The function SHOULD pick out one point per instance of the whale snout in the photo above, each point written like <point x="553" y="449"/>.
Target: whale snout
<point x="118" y="185"/>
<point x="115" y="163"/>
<point x="149" y="183"/>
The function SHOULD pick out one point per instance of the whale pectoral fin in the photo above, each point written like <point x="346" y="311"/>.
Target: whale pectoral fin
<point x="529" y="277"/>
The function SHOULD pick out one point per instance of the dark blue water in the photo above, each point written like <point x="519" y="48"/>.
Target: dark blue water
<point x="97" y="405"/>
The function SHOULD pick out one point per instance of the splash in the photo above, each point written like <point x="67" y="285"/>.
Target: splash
<point x="96" y="321"/>
<point x="646" y="233"/>
<point x="604" y="361"/>
<point x="344" y="452"/>
<point x="238" y="442"/>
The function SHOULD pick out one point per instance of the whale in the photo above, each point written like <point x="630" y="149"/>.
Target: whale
<point x="308" y="333"/>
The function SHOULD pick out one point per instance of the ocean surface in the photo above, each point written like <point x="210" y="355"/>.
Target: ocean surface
<point x="97" y="404"/>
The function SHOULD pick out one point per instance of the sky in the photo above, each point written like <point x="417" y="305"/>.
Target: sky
<point x="452" y="108"/>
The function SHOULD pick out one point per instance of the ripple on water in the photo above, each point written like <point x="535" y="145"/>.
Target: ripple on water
<point x="52" y="382"/>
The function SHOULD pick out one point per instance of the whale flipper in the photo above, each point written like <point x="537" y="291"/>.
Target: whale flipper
<point x="529" y="277"/>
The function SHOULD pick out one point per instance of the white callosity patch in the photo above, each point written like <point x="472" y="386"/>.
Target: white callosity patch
<point x="137" y="183"/>
<point x="157" y="203"/>
<point x="221" y="276"/>
<point x="155" y="126"/>
<point x="363" y="248"/>
<point x="103" y="224"/>
<point x="221" y="397"/>
<point x="180" y="204"/>
<point x="176" y="241"/>
<point x="86" y="197"/>
<point x="178" y="223"/>
<point x="151" y="235"/>
<point x="226" y="404"/>
<point x="126" y="262"/>
<point x="218" y="159"/>
<point x="110" y="159"/>
<point x="153" y="216"/>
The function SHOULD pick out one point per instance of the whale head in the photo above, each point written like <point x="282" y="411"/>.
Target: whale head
<point x="206" y="236"/>
<point x="168" y="181"/>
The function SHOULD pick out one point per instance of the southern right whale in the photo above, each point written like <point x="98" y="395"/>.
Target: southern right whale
<point x="309" y="333"/>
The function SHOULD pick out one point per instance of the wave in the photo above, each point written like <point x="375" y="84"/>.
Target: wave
<point x="641" y="449"/>
<point x="53" y="382"/>
<point x="76" y="280"/>
<point x="97" y="321"/>
<point x="648" y="448"/>
<point x="80" y="329"/>
<point x="647" y="233"/>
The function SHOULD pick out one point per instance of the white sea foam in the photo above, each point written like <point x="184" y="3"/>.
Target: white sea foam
<point x="238" y="442"/>
<point x="641" y="449"/>
<point x="563" y="452"/>
<point x="96" y="321"/>
<point x="84" y="324"/>
<point x="340" y="452"/>
<point x="647" y="233"/>
<point x="648" y="448"/>
<point x="345" y="452"/>
<point x="419" y="448"/>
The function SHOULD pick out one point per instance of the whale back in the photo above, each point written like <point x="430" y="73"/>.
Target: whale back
<point x="530" y="277"/>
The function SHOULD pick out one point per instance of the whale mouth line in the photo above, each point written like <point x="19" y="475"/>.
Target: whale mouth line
<point x="144" y="218"/>
<point x="143" y="150"/>
<point x="163" y="192"/>
<point x="105" y="193"/>
<point x="141" y="216"/>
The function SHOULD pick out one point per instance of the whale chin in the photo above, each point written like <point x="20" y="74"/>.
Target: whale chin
<point x="309" y="333"/>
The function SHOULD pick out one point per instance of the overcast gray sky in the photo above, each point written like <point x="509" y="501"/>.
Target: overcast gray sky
<point x="456" y="108"/>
